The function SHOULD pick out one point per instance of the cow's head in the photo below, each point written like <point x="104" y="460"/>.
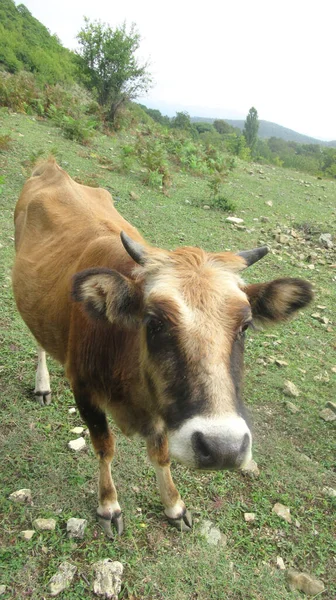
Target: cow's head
<point x="193" y="310"/>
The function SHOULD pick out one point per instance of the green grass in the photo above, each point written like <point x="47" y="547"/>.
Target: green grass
<point x="159" y="562"/>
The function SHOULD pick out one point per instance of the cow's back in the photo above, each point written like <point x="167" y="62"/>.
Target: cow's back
<point x="60" y="228"/>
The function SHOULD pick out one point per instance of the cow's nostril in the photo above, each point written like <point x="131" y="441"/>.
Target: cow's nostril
<point x="201" y="447"/>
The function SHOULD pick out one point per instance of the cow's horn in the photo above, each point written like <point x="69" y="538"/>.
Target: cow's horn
<point x="134" y="249"/>
<point x="252" y="256"/>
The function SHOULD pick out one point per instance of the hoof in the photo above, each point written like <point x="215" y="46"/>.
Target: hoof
<point x="44" y="398"/>
<point x="182" y="523"/>
<point x="116" y="520"/>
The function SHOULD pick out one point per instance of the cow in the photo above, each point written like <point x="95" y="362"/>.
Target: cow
<point x="154" y="337"/>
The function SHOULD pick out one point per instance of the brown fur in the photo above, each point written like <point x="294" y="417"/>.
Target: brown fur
<point x="62" y="229"/>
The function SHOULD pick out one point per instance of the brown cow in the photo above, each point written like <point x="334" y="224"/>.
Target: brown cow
<point x="154" y="337"/>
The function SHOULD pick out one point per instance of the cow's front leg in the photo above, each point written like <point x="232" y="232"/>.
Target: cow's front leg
<point x="42" y="381"/>
<point x="174" y="507"/>
<point x="103" y="442"/>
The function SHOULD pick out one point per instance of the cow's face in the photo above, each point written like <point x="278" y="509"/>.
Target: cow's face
<point x="194" y="322"/>
<point x="193" y="309"/>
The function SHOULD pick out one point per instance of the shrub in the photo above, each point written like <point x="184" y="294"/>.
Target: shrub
<point x="80" y="130"/>
<point x="18" y="91"/>
<point x="222" y="203"/>
<point x="5" y="141"/>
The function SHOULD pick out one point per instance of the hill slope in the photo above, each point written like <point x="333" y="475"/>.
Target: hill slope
<point x="27" y="44"/>
<point x="268" y="129"/>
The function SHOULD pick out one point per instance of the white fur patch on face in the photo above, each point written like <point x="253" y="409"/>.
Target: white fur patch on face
<point x="231" y="430"/>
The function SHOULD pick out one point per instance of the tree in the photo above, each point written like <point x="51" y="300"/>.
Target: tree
<point x="222" y="126"/>
<point x="251" y="126"/>
<point x="109" y="65"/>
<point x="182" y="121"/>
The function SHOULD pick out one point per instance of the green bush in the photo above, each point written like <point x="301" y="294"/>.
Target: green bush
<point x="5" y="141"/>
<point x="18" y="92"/>
<point x="222" y="203"/>
<point x="80" y="130"/>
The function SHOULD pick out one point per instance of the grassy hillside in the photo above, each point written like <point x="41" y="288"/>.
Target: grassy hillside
<point x="295" y="452"/>
<point x="27" y="44"/>
<point x="268" y="129"/>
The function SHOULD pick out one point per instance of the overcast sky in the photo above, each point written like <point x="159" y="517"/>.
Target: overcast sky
<point x="219" y="58"/>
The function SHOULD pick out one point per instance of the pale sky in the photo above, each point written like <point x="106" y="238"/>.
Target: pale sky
<point x="218" y="58"/>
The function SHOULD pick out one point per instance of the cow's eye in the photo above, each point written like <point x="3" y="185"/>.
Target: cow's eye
<point x="244" y="327"/>
<point x="154" y="325"/>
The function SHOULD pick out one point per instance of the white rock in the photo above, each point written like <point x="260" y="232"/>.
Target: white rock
<point x="77" y="445"/>
<point x="235" y="220"/>
<point x="212" y="534"/>
<point x="281" y="363"/>
<point x="2" y="589"/>
<point x="251" y="470"/>
<point x="329" y="491"/>
<point x="23" y="495"/>
<point x="280" y="563"/>
<point x="331" y="405"/>
<point x="304" y="583"/>
<point x="62" y="579"/>
<point x="282" y="511"/>
<point x="45" y="524"/>
<point x="327" y="415"/>
<point x="290" y="389"/>
<point x="27" y="534"/>
<point x="107" y="581"/>
<point x="77" y="430"/>
<point x="206" y="207"/>
<point x="326" y="241"/>
<point x="249" y="517"/>
<point x="269" y="202"/>
<point x="76" y="527"/>
<point x="72" y="411"/>
<point x="291" y="407"/>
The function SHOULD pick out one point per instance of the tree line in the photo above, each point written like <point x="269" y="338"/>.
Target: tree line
<point x="106" y="64"/>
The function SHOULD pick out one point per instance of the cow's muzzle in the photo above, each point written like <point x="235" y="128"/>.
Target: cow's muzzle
<point x="210" y="443"/>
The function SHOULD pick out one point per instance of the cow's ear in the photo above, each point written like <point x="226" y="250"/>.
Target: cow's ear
<point x="108" y="295"/>
<point x="277" y="300"/>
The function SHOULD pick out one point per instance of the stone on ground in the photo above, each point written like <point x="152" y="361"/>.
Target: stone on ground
<point x="327" y="415"/>
<point x="290" y="389"/>
<point x="280" y="563"/>
<point x="107" y="581"/>
<point x="45" y="524"/>
<point x="77" y="430"/>
<point x="23" y="495"/>
<point x="212" y="534"/>
<point x="76" y="527"/>
<point x="304" y="583"/>
<point x="332" y="406"/>
<point x="251" y="470"/>
<point x="62" y="578"/>
<point x="27" y="534"/>
<point x="77" y="445"/>
<point x="291" y="407"/>
<point x="2" y="589"/>
<point x="326" y="241"/>
<point x="235" y="220"/>
<point x="249" y="517"/>
<point x="282" y="511"/>
<point x="329" y="491"/>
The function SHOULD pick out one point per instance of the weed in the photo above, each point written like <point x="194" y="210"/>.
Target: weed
<point x="5" y="141"/>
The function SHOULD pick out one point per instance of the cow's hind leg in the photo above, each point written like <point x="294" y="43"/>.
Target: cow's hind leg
<point x="174" y="507"/>
<point x="103" y="442"/>
<point x="42" y="381"/>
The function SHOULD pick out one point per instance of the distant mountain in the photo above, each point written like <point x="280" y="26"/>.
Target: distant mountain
<point x="268" y="129"/>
